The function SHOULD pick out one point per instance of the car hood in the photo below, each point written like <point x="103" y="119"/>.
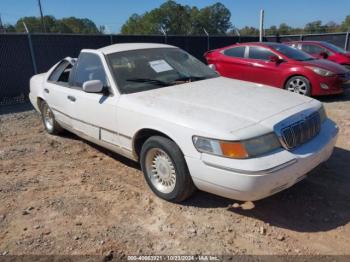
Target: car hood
<point x="326" y="64"/>
<point x="218" y="103"/>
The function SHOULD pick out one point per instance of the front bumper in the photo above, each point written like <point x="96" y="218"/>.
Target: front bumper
<point x="257" y="178"/>
<point x="335" y="85"/>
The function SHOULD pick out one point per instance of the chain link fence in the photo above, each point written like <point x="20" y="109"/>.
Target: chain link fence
<point x="23" y="55"/>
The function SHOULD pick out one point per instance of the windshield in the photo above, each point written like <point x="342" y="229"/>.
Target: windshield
<point x="334" y="48"/>
<point x="146" y="69"/>
<point x="292" y="53"/>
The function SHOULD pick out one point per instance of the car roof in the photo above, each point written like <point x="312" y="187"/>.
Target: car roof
<point x="306" y="42"/>
<point x="131" y="46"/>
<point x="264" y="44"/>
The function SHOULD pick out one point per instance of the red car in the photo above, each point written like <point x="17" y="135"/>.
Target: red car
<point x="280" y="66"/>
<point x="321" y="49"/>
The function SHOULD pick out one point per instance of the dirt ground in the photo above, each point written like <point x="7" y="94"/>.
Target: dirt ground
<point x="62" y="195"/>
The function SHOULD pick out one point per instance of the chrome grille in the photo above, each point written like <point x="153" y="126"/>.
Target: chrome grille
<point x="302" y="131"/>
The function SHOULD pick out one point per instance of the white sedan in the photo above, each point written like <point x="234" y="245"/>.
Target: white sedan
<point x="188" y="127"/>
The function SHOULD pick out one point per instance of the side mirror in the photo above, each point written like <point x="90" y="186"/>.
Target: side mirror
<point x="275" y="59"/>
<point x="93" y="86"/>
<point x="324" y="55"/>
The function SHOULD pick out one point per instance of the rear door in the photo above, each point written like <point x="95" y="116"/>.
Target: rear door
<point x="261" y="69"/>
<point x="232" y="63"/>
<point x="56" y="91"/>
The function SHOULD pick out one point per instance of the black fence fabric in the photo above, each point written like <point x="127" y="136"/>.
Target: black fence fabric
<point x="17" y="59"/>
<point x="16" y="68"/>
<point x="338" y="39"/>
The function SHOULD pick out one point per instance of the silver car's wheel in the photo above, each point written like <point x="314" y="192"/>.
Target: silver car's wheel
<point x="160" y="170"/>
<point x="48" y="117"/>
<point x="165" y="169"/>
<point x="299" y="85"/>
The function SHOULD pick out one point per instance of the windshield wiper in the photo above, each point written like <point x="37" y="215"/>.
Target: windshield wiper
<point x="149" y="80"/>
<point x="190" y="78"/>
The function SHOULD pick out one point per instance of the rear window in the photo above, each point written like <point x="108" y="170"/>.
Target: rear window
<point x="235" y="51"/>
<point x="312" y="49"/>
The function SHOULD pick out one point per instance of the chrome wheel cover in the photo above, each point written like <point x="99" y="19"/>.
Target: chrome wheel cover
<point x="48" y="117"/>
<point x="160" y="170"/>
<point x="298" y="85"/>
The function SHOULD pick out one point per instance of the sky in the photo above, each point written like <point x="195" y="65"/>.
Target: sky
<point x="113" y="13"/>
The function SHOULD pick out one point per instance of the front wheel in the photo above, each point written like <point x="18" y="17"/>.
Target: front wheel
<point x="165" y="169"/>
<point x="48" y="118"/>
<point x="299" y="85"/>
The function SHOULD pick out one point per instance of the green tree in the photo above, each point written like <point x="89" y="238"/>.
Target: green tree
<point x="345" y="25"/>
<point x="249" y="31"/>
<point x="33" y="24"/>
<point x="215" y="19"/>
<point x="79" y="25"/>
<point x="284" y="29"/>
<point x="273" y="30"/>
<point x="53" y="25"/>
<point x="9" y="28"/>
<point x="175" y="18"/>
<point x="314" y="27"/>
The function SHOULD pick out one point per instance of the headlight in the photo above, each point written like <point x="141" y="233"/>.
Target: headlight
<point x="322" y="113"/>
<point x="237" y="149"/>
<point x="321" y="71"/>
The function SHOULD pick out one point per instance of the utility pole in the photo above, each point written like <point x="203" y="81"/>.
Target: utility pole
<point x="261" y="33"/>
<point x="42" y="17"/>
<point x="2" y="28"/>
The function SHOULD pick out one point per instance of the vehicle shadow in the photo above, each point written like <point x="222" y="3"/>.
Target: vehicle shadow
<point x="115" y="156"/>
<point x="335" y="98"/>
<point x="321" y="202"/>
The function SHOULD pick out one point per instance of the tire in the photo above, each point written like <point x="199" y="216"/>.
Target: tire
<point x="165" y="169"/>
<point x="298" y="84"/>
<point x="48" y="118"/>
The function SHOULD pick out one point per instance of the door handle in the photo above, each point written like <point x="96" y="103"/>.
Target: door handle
<point x="71" y="98"/>
<point x="46" y="90"/>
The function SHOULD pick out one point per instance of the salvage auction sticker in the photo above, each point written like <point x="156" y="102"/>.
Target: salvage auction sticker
<point x="160" y="66"/>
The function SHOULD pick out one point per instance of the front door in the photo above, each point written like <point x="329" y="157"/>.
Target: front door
<point x="262" y="70"/>
<point x="94" y="114"/>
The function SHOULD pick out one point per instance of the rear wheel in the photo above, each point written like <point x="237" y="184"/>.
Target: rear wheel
<point x="165" y="169"/>
<point x="299" y="85"/>
<point x="48" y="118"/>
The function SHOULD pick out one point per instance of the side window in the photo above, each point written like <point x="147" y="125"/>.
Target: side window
<point x="61" y="73"/>
<point x="312" y="49"/>
<point x="89" y="67"/>
<point x="235" y="52"/>
<point x="261" y="53"/>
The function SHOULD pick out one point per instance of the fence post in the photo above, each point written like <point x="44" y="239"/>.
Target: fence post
<point x="165" y="35"/>
<point x="301" y="38"/>
<point x="208" y="39"/>
<point x="111" y="38"/>
<point x="346" y="41"/>
<point x="31" y="49"/>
